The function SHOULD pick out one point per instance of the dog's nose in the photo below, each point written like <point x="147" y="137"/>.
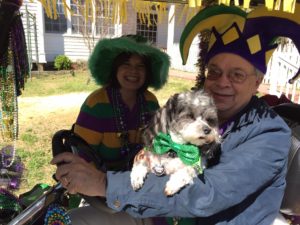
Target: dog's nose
<point x="206" y="130"/>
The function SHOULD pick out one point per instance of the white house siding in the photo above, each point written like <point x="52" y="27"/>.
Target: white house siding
<point x="76" y="48"/>
<point x="54" y="46"/>
<point x="35" y="9"/>
<point x="63" y="44"/>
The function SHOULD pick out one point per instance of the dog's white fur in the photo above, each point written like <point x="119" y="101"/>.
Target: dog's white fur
<point x="189" y="118"/>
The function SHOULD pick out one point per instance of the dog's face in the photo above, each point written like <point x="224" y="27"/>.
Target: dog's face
<point x="192" y="118"/>
<point x="189" y="117"/>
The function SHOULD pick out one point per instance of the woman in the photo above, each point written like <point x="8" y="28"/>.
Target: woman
<point x="111" y="117"/>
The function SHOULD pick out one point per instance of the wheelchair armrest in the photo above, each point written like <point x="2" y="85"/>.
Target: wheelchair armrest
<point x="291" y="201"/>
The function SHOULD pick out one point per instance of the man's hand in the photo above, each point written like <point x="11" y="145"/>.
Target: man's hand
<point x="79" y="176"/>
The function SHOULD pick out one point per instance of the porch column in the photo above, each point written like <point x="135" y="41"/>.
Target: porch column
<point x="171" y="29"/>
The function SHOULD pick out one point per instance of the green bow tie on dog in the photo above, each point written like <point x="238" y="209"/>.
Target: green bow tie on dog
<point x="188" y="154"/>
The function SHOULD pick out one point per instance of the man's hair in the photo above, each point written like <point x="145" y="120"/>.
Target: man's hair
<point x="258" y="73"/>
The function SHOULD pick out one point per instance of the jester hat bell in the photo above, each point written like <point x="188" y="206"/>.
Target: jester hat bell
<point x="250" y="35"/>
<point x="105" y="52"/>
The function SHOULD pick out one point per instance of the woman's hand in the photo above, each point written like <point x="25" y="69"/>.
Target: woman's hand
<point x="79" y="176"/>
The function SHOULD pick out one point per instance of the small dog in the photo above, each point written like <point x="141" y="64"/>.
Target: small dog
<point x="188" y="118"/>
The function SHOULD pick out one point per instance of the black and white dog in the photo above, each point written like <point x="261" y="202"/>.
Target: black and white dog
<point x="187" y="118"/>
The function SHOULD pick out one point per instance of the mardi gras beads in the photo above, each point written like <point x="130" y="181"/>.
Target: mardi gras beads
<point x="9" y="206"/>
<point x="57" y="215"/>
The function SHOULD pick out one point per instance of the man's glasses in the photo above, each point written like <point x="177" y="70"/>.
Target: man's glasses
<point x="236" y="75"/>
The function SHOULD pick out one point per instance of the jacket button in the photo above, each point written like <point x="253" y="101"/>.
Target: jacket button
<point x="117" y="203"/>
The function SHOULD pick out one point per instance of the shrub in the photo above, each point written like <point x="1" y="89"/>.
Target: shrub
<point x="62" y="62"/>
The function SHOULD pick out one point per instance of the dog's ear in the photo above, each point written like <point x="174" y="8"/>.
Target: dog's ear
<point x="213" y="154"/>
<point x="166" y="114"/>
<point x="160" y="121"/>
<point x="156" y="124"/>
<point x="171" y="107"/>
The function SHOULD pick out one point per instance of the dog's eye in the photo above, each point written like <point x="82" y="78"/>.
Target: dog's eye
<point x="212" y="121"/>
<point x="191" y="116"/>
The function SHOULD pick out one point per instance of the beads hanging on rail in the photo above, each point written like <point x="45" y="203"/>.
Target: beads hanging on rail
<point x="14" y="70"/>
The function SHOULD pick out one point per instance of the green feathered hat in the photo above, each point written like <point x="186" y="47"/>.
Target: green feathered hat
<point x="106" y="50"/>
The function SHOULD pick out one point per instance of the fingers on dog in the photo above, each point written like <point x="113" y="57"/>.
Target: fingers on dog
<point x="65" y="181"/>
<point x="61" y="158"/>
<point x="142" y="156"/>
<point x="63" y="170"/>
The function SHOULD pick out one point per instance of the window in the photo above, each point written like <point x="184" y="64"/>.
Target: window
<point x="104" y="20"/>
<point x="79" y="24"/>
<point x="147" y="29"/>
<point x="103" y="23"/>
<point x="58" y="25"/>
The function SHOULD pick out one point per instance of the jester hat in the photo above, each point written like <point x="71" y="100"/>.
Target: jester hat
<point x="250" y="35"/>
<point x="106" y="51"/>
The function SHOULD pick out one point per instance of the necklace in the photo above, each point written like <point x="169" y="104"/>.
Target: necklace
<point x="8" y="103"/>
<point x="9" y="207"/>
<point x="127" y="149"/>
<point x="11" y="168"/>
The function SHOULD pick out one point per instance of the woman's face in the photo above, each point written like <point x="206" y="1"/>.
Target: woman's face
<point x="131" y="74"/>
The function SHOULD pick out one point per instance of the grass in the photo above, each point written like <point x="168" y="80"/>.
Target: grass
<point x="38" y="124"/>
<point x="56" y="84"/>
<point x="45" y="85"/>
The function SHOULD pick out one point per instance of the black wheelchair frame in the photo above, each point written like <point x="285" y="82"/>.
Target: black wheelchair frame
<point x="291" y="201"/>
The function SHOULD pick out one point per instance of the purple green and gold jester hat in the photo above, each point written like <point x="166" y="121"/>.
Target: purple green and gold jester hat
<point x="250" y="35"/>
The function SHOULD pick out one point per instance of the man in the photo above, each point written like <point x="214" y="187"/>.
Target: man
<point x="247" y="185"/>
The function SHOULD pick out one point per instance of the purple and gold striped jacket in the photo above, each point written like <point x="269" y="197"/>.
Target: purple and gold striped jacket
<point x="96" y="124"/>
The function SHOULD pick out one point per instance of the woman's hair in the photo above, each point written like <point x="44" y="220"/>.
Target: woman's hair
<point x="123" y="57"/>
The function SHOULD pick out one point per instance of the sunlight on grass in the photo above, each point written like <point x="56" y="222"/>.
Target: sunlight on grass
<point x="57" y="84"/>
<point x="29" y="138"/>
<point x="46" y="85"/>
<point x="173" y="86"/>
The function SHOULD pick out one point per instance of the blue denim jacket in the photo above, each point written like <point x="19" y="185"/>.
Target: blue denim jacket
<point x="245" y="188"/>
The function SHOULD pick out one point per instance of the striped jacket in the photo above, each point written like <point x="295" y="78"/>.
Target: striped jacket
<point x="96" y="124"/>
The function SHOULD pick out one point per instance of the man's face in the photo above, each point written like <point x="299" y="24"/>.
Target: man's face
<point x="231" y="81"/>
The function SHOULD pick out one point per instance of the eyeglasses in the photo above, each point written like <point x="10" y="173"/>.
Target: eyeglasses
<point x="236" y="75"/>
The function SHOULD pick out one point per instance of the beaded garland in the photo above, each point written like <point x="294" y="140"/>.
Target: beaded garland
<point x="9" y="206"/>
<point x="8" y="103"/>
<point x="11" y="169"/>
<point x="14" y="69"/>
<point x="57" y="215"/>
<point x="127" y="148"/>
